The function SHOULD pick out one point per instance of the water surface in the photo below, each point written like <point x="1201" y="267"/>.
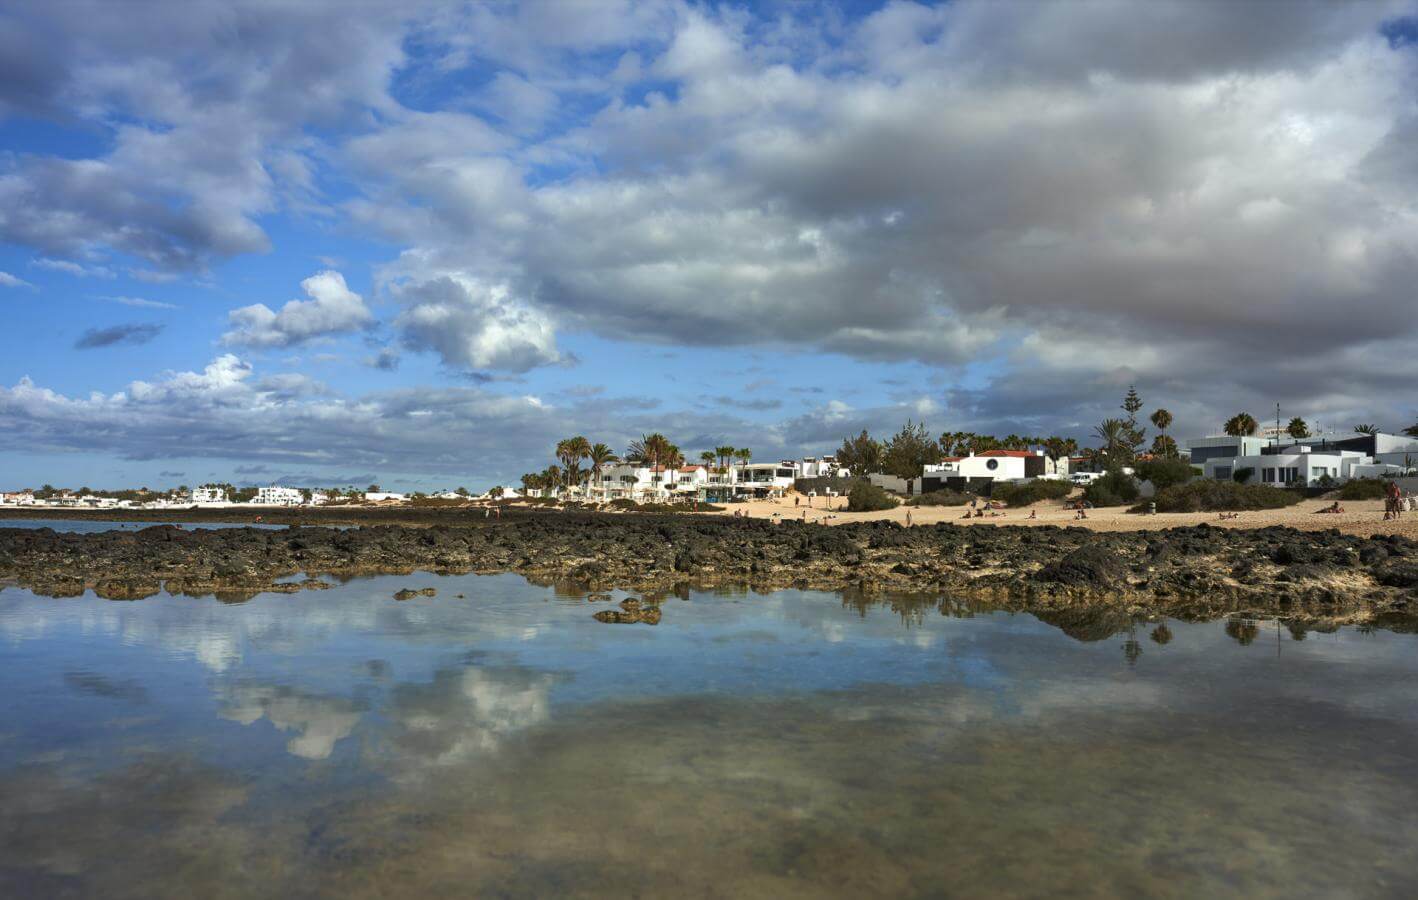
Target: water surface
<point x="95" y="526"/>
<point x="341" y="743"/>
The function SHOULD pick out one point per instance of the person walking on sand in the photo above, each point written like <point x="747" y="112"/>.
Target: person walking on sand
<point x="908" y="518"/>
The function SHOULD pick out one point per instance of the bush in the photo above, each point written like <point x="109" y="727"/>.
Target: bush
<point x="1243" y="474"/>
<point x="1163" y="473"/>
<point x="1363" y="489"/>
<point x="867" y="497"/>
<point x="1031" y="491"/>
<point x="1115" y="488"/>
<point x="1210" y="495"/>
<point x="939" y="498"/>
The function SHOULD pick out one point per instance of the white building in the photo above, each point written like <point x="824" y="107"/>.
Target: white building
<point x="210" y="496"/>
<point x="819" y="467"/>
<point x="1307" y="460"/>
<point x="18" y="498"/>
<point x="276" y="495"/>
<point x="994" y="465"/>
<point x="691" y="481"/>
<point x="318" y="498"/>
<point x="1296" y="464"/>
<point x="383" y="496"/>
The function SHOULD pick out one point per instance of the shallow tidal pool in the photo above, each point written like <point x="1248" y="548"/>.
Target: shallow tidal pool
<point x="496" y="740"/>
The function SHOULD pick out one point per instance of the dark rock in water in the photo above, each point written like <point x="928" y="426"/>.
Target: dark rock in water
<point x="409" y="593"/>
<point x="631" y="616"/>
<point x="1090" y="566"/>
<point x="597" y="598"/>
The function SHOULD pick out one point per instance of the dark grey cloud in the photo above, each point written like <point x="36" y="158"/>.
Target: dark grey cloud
<point x="134" y="333"/>
<point x="386" y="360"/>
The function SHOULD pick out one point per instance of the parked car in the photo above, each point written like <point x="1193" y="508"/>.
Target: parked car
<point x="1085" y="478"/>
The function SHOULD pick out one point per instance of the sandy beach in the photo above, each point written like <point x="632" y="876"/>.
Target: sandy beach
<point x="1360" y="517"/>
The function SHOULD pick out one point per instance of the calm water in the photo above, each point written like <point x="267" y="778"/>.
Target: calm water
<point x="90" y="526"/>
<point x="340" y="743"/>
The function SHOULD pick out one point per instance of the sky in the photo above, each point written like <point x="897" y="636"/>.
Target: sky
<point x="417" y="244"/>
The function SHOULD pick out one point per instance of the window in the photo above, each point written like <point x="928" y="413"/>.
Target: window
<point x="1267" y="476"/>
<point x="992" y="464"/>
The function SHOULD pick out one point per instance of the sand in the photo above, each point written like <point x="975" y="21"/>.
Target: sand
<point x="1362" y="517"/>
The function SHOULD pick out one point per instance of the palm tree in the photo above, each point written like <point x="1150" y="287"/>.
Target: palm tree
<point x="1366" y="429"/>
<point x="1411" y="430"/>
<point x="600" y="456"/>
<point x="1298" y="428"/>
<point x="571" y="451"/>
<point x="726" y="453"/>
<point x="551" y="477"/>
<point x="744" y="454"/>
<point x="707" y="457"/>
<point x="1162" y="420"/>
<point x="1241" y="425"/>
<point x="1114" y="435"/>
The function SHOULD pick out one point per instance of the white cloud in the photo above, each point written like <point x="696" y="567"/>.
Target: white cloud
<point x="69" y="267"/>
<point x="8" y="280"/>
<point x="140" y="302"/>
<point x="475" y="324"/>
<point x="331" y="310"/>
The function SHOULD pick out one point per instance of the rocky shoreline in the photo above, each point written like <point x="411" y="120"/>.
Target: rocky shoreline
<point x="1184" y="572"/>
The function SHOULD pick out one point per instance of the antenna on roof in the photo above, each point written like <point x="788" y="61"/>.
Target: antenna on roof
<point x="1277" y="424"/>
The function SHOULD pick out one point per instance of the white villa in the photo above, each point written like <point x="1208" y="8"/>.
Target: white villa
<point x="210" y="496"/>
<point x="691" y="481"/>
<point x="382" y="496"/>
<point x="1306" y="461"/>
<point x="276" y="495"/>
<point x="18" y="498"/>
<point x="992" y="465"/>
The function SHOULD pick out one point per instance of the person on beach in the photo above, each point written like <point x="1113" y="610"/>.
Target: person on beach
<point x="1033" y="514"/>
<point x="908" y="518"/>
<point x="1333" y="509"/>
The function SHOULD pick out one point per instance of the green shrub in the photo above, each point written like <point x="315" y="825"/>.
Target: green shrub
<point x="867" y="497"/>
<point x="1243" y="474"/>
<point x="1163" y="473"/>
<point x="1363" y="489"/>
<point x="1115" y="488"/>
<point x="1031" y="491"/>
<point x="1210" y="495"/>
<point x="940" y="498"/>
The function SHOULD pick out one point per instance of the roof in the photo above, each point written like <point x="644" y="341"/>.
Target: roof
<point x="946" y="459"/>
<point x="1016" y="454"/>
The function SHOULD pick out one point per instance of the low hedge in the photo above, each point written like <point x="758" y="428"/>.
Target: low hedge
<point x="1363" y="489"/>
<point x="1210" y="495"/>
<point x="1115" y="488"/>
<point x="940" y="498"/>
<point x="867" y="497"/>
<point x="1031" y="491"/>
<point x="1164" y="473"/>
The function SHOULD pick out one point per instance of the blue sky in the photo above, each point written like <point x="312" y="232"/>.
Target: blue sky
<point x="257" y="242"/>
